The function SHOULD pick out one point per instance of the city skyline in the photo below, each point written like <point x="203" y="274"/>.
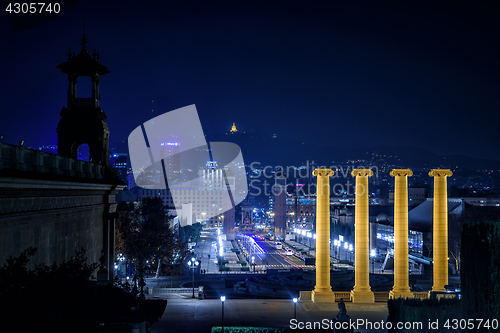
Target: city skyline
<point x="349" y="75"/>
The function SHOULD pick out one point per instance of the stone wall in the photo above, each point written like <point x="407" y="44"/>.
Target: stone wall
<point x="58" y="217"/>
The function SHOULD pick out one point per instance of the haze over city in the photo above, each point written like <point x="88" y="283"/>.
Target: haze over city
<point x="348" y="75"/>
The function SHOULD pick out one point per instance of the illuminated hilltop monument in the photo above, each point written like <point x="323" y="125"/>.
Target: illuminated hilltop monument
<point x="233" y="129"/>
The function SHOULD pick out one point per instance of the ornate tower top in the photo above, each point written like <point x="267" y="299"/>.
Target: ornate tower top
<point x="83" y="65"/>
<point x="82" y="120"/>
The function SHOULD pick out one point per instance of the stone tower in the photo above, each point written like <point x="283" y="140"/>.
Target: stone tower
<point x="82" y="120"/>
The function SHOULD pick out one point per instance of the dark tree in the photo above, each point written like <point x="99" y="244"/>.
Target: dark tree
<point x="144" y="233"/>
<point x="65" y="298"/>
<point x="191" y="233"/>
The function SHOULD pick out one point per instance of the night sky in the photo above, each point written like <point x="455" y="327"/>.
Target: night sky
<point x="348" y="73"/>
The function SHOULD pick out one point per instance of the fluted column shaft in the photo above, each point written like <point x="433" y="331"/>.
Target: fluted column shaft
<point x="440" y="228"/>
<point x="323" y="230"/>
<point x="362" y="291"/>
<point x="401" y="286"/>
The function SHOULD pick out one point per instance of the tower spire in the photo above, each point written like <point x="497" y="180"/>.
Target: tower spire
<point x="84" y="40"/>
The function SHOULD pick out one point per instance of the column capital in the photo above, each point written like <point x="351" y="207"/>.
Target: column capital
<point x="323" y="172"/>
<point x="362" y="172"/>
<point x="401" y="172"/>
<point x="440" y="173"/>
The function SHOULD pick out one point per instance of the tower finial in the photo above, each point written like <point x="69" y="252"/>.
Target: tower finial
<point x="84" y="40"/>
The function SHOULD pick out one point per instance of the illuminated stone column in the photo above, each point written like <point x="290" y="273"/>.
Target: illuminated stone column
<point x="440" y="228"/>
<point x="323" y="291"/>
<point x="401" y="286"/>
<point x="362" y="293"/>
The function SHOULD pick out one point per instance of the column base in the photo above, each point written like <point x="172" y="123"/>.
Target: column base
<point x="323" y="296"/>
<point x="438" y="288"/>
<point x="365" y="296"/>
<point x="400" y="294"/>
<point x="305" y="295"/>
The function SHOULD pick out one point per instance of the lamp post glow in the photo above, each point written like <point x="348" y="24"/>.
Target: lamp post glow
<point x="192" y="265"/>
<point x="372" y="254"/>
<point x="295" y="308"/>
<point x="222" y="299"/>
<point x="350" y="252"/>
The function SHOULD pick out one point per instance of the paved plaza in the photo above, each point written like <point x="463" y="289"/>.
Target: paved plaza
<point x="184" y="314"/>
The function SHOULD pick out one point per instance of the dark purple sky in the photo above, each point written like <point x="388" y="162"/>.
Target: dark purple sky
<point x="345" y="73"/>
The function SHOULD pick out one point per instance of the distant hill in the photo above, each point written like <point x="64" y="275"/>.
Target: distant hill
<point x="417" y="157"/>
<point x="265" y="149"/>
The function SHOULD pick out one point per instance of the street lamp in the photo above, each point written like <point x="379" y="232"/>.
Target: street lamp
<point x="295" y="308"/>
<point x="192" y="265"/>
<point x="253" y="263"/>
<point x="372" y="254"/>
<point x="339" y="243"/>
<point x="222" y="299"/>
<point x="350" y="252"/>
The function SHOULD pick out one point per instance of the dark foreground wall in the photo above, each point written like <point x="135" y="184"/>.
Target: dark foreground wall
<point x="56" y="204"/>
<point x="57" y="217"/>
